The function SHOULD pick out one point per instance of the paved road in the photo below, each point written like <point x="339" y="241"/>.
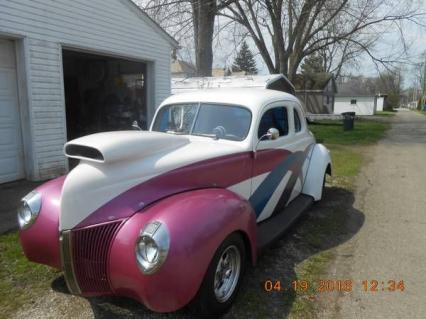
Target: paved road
<point x="391" y="192"/>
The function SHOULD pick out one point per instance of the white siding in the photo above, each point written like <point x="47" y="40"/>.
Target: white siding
<point x="364" y="105"/>
<point x="111" y="27"/>
<point x="380" y="103"/>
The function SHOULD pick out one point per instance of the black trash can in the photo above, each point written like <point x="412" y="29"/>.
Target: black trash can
<point x="348" y="121"/>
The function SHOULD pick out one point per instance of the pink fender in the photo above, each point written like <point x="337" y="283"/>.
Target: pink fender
<point x="41" y="241"/>
<point x="198" y="222"/>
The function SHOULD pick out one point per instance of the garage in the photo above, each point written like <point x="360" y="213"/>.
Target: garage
<point x="102" y="93"/>
<point x="11" y="152"/>
<point x="72" y="68"/>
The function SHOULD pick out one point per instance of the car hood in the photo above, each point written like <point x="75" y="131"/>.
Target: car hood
<point x="112" y="147"/>
<point x="122" y="172"/>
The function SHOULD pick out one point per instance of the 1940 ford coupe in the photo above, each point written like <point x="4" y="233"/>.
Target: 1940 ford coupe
<point x="172" y="216"/>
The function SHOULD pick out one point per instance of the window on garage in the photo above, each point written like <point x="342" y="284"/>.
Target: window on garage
<point x="103" y="93"/>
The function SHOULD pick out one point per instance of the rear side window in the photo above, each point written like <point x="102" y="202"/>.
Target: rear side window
<point x="297" y="123"/>
<point x="276" y="118"/>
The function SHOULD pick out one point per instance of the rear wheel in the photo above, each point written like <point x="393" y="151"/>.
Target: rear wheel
<point x="222" y="279"/>
<point x="323" y="185"/>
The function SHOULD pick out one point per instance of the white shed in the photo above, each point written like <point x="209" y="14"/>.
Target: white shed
<point x="361" y="105"/>
<point x="355" y="95"/>
<point x="69" y="68"/>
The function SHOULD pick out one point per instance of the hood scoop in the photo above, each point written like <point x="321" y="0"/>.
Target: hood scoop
<point x="86" y="152"/>
<point x="117" y="146"/>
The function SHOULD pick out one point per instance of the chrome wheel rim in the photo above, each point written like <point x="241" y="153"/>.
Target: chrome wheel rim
<point x="227" y="273"/>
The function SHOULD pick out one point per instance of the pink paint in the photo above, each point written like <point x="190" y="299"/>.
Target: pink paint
<point x="198" y="222"/>
<point x="41" y="241"/>
<point x="220" y="172"/>
<point x="267" y="159"/>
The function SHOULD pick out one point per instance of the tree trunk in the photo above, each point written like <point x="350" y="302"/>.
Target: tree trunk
<point x="293" y="65"/>
<point x="204" y="13"/>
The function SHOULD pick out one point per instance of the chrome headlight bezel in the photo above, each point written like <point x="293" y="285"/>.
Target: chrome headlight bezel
<point x="152" y="247"/>
<point x="29" y="209"/>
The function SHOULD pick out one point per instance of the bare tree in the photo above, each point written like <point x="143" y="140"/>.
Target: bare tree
<point x="189" y="17"/>
<point x="298" y="28"/>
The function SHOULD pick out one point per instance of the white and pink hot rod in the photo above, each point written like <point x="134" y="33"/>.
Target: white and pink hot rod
<point x="171" y="216"/>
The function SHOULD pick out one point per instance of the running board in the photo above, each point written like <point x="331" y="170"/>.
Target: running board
<point x="272" y="228"/>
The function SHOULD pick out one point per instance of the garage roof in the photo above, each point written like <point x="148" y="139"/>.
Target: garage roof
<point x="142" y="14"/>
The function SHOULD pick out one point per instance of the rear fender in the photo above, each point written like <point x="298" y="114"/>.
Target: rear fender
<point x="197" y="222"/>
<point x="319" y="164"/>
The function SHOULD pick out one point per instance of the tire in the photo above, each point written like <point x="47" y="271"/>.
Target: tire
<point x="323" y="186"/>
<point x="211" y="302"/>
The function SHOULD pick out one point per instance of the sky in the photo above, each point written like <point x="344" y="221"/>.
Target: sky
<point x="390" y="41"/>
<point x="414" y="35"/>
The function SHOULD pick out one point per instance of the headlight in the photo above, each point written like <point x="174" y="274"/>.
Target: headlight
<point x="29" y="209"/>
<point x="152" y="247"/>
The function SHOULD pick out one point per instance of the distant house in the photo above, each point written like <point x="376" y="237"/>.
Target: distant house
<point x="316" y="91"/>
<point x="222" y="72"/>
<point x="273" y="82"/>
<point x="355" y="98"/>
<point x="182" y="69"/>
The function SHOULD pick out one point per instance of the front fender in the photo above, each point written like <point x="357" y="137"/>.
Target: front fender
<point x="198" y="222"/>
<point x="320" y="163"/>
<point x="40" y="241"/>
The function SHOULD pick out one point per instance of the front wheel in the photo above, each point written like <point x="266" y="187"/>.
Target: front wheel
<point x="222" y="279"/>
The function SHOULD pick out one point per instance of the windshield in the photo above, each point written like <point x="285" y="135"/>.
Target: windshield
<point x="228" y="122"/>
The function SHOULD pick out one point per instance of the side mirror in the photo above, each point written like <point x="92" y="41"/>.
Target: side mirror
<point x="271" y="134"/>
<point x="135" y="126"/>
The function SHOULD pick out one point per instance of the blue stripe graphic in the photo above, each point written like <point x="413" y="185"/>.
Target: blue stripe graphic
<point x="263" y="193"/>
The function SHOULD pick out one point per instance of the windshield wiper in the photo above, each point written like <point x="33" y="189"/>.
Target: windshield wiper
<point x="214" y="136"/>
<point x="176" y="133"/>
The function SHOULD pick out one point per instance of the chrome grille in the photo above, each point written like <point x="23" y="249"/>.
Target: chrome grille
<point x="88" y="249"/>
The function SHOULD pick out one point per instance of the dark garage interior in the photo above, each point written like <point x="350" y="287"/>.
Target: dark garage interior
<point x="103" y="93"/>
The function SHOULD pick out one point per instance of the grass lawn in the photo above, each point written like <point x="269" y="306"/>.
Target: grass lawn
<point x="421" y="112"/>
<point x="306" y="257"/>
<point x="365" y="132"/>
<point x="346" y="157"/>
<point x="385" y="113"/>
<point x="21" y="281"/>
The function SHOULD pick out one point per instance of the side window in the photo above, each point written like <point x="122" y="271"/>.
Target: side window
<point x="276" y="118"/>
<point x="297" y="123"/>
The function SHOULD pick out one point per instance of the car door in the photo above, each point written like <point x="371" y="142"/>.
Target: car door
<point x="301" y="143"/>
<point x="278" y="163"/>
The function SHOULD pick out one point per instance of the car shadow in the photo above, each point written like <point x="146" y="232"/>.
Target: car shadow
<point x="326" y="225"/>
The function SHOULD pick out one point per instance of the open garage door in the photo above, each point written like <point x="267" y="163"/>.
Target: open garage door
<point x="11" y="152"/>
<point x="103" y="93"/>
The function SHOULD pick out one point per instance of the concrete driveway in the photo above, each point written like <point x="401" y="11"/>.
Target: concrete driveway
<point x="10" y="196"/>
<point x="391" y="192"/>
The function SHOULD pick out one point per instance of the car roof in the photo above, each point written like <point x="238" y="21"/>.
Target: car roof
<point x="253" y="98"/>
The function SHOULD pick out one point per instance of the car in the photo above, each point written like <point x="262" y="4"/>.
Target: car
<point x="174" y="215"/>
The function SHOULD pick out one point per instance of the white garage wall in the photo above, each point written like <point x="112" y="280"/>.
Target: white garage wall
<point x="364" y="105"/>
<point x="112" y="27"/>
<point x="380" y="103"/>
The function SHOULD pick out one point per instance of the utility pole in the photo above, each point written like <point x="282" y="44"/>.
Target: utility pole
<point x="424" y="76"/>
